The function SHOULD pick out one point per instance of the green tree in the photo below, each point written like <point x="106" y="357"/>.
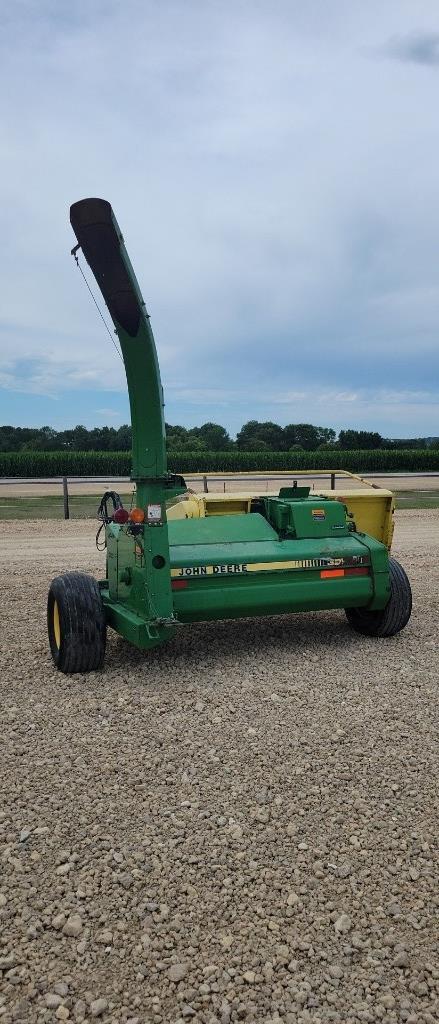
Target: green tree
<point x="256" y="445"/>
<point x="268" y="434"/>
<point x="178" y="439"/>
<point x="175" y="435"/>
<point x="326" y="435"/>
<point x="81" y="438"/>
<point x="359" y="440"/>
<point x="306" y="435"/>
<point x="405" y="443"/>
<point x="124" y="438"/>
<point x="215" y="437"/>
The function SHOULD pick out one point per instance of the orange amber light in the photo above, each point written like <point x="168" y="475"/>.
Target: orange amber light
<point x="136" y="515"/>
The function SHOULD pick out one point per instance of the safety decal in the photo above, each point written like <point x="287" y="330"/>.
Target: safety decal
<point x="154" y="513"/>
<point x="318" y="513"/>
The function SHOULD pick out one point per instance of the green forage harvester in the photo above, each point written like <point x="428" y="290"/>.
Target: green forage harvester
<point x="289" y="552"/>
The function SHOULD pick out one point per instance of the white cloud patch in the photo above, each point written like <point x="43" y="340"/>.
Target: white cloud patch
<point x="108" y="414"/>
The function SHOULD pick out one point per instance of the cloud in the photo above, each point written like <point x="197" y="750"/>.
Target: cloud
<point x="276" y="189"/>
<point x="417" y="48"/>
<point x="53" y="374"/>
<point x="388" y="408"/>
<point x="108" y="414"/>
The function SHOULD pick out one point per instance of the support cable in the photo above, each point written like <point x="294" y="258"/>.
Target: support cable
<point x="95" y="302"/>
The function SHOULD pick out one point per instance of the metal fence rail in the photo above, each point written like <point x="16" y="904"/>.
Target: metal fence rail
<point x="65" y="504"/>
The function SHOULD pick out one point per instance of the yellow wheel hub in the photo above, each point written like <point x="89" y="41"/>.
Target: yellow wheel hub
<point x="56" y="625"/>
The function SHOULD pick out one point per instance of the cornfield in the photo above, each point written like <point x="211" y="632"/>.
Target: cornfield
<point x="52" y="464"/>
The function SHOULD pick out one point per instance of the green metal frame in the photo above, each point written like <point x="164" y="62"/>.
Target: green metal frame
<point x="101" y="240"/>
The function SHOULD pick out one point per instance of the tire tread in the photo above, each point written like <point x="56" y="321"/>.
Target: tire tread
<point x="394" y="616"/>
<point x="82" y="620"/>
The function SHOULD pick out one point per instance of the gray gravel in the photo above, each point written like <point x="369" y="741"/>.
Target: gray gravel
<point x="241" y="826"/>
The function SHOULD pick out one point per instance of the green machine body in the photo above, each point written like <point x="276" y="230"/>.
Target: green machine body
<point x="291" y="552"/>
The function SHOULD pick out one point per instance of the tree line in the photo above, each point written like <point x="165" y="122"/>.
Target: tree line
<point x="254" y="436"/>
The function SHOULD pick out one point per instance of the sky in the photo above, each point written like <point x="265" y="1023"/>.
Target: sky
<point x="274" y="168"/>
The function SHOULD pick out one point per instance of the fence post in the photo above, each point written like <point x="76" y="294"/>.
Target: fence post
<point x="332" y="481"/>
<point x="205" y="484"/>
<point x="65" y="491"/>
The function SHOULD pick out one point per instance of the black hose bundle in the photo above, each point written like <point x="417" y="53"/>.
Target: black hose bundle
<point x="105" y="516"/>
<point x="102" y="512"/>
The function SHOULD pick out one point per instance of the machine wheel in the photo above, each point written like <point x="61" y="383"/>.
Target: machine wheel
<point x="76" y="623"/>
<point x="394" y="616"/>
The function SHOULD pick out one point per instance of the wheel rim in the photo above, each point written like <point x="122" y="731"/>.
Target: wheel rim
<point x="56" y="624"/>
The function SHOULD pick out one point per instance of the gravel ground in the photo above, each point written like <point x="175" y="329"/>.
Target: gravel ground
<point x="241" y="826"/>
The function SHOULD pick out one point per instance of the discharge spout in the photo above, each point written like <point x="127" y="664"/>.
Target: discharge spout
<point x="101" y="241"/>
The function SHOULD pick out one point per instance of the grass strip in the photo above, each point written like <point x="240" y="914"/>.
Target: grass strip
<point x="84" y="506"/>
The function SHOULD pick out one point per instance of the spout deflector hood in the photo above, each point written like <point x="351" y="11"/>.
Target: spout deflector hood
<point x="100" y="238"/>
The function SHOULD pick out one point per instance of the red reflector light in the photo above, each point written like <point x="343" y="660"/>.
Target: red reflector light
<point x="120" y="515"/>
<point x="328" y="574"/>
<point x="178" y="584"/>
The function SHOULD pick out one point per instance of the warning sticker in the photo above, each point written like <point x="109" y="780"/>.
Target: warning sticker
<point x="318" y="513"/>
<point x="154" y="513"/>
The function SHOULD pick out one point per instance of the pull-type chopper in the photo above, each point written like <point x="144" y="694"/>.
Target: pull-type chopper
<point x="291" y="552"/>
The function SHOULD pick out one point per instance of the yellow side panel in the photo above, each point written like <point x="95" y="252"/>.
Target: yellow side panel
<point x="227" y="504"/>
<point x="189" y="508"/>
<point x="372" y="511"/>
<point x="198" y="505"/>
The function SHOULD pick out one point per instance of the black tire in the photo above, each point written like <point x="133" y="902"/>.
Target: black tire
<point x="76" y="623"/>
<point x="394" y="616"/>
